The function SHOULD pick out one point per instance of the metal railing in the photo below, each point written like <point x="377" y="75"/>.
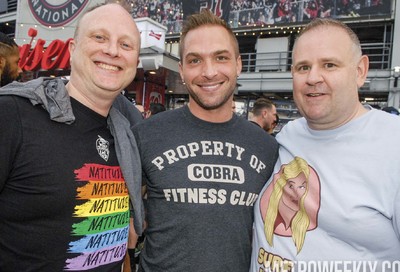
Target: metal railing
<point x="266" y="62"/>
<point x="7" y="6"/>
<point x="379" y="57"/>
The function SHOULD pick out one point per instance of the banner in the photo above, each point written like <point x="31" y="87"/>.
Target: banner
<point x="149" y="88"/>
<point x="218" y="7"/>
<point x="55" y="20"/>
<point x="258" y="13"/>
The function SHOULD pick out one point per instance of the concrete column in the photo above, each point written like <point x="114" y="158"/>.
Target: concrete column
<point x="394" y="92"/>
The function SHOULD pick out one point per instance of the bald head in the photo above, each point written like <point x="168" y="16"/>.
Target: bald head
<point x="104" y="54"/>
<point x="321" y="23"/>
<point x="99" y="10"/>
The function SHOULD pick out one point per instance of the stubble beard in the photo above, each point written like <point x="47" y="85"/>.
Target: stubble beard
<point x="6" y="77"/>
<point x="209" y="106"/>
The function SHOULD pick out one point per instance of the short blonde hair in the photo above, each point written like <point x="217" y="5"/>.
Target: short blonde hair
<point x="205" y="17"/>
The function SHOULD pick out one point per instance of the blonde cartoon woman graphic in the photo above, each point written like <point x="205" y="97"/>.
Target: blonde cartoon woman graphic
<point x="286" y="204"/>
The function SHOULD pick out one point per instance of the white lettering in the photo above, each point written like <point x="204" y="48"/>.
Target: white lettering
<point x="206" y="146"/>
<point x="197" y="195"/>
<point x="230" y="148"/>
<point x="182" y="152"/>
<point x="56" y="16"/>
<point x="193" y="147"/>
<point x="167" y="194"/>
<point x="73" y="8"/>
<point x="65" y="14"/>
<point x="158" y="162"/>
<point x="203" y="195"/>
<point x="239" y="150"/>
<point x="243" y="198"/>
<point x="216" y="173"/>
<point x="256" y="164"/>
<point x="171" y="156"/>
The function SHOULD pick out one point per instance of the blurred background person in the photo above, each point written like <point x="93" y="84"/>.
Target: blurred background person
<point x="141" y="109"/>
<point x="154" y="108"/>
<point x="274" y="125"/>
<point x="391" y="110"/>
<point x="264" y="114"/>
<point x="9" y="58"/>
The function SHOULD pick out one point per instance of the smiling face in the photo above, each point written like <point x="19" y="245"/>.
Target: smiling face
<point x="328" y="70"/>
<point x="105" y="52"/>
<point x="209" y="68"/>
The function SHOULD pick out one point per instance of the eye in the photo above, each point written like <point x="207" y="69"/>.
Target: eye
<point x="126" y="45"/>
<point x="222" y="58"/>
<point x="194" y="61"/>
<point x="329" y="65"/>
<point x="303" y="68"/>
<point x="99" y="38"/>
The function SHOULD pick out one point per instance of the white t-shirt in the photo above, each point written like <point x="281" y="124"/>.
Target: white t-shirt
<point x="348" y="205"/>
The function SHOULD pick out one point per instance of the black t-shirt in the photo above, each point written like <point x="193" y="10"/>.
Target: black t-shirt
<point x="64" y="202"/>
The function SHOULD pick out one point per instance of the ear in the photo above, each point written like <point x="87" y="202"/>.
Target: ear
<point x="181" y="71"/>
<point x="264" y="112"/>
<point x="362" y="70"/>
<point x="71" y="48"/>
<point x="238" y="65"/>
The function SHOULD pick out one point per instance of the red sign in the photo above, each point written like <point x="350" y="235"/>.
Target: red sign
<point x="149" y="88"/>
<point x="55" y="56"/>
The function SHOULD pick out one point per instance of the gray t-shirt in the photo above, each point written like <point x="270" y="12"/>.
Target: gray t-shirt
<point x="203" y="180"/>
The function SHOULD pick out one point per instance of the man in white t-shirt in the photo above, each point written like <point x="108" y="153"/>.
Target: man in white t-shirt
<point x="334" y="200"/>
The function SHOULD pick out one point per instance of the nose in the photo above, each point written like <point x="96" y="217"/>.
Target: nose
<point x="297" y="193"/>
<point x="111" y="48"/>
<point x="209" y="69"/>
<point x="314" y="76"/>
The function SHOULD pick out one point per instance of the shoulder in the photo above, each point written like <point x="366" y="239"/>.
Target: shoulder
<point x="7" y="107"/>
<point x="12" y="110"/>
<point x="6" y="99"/>
<point x="385" y="122"/>
<point x="251" y="127"/>
<point x="294" y="126"/>
<point x="123" y="105"/>
<point x="9" y="103"/>
<point x="254" y="133"/>
<point x="163" y="118"/>
<point x="382" y="115"/>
